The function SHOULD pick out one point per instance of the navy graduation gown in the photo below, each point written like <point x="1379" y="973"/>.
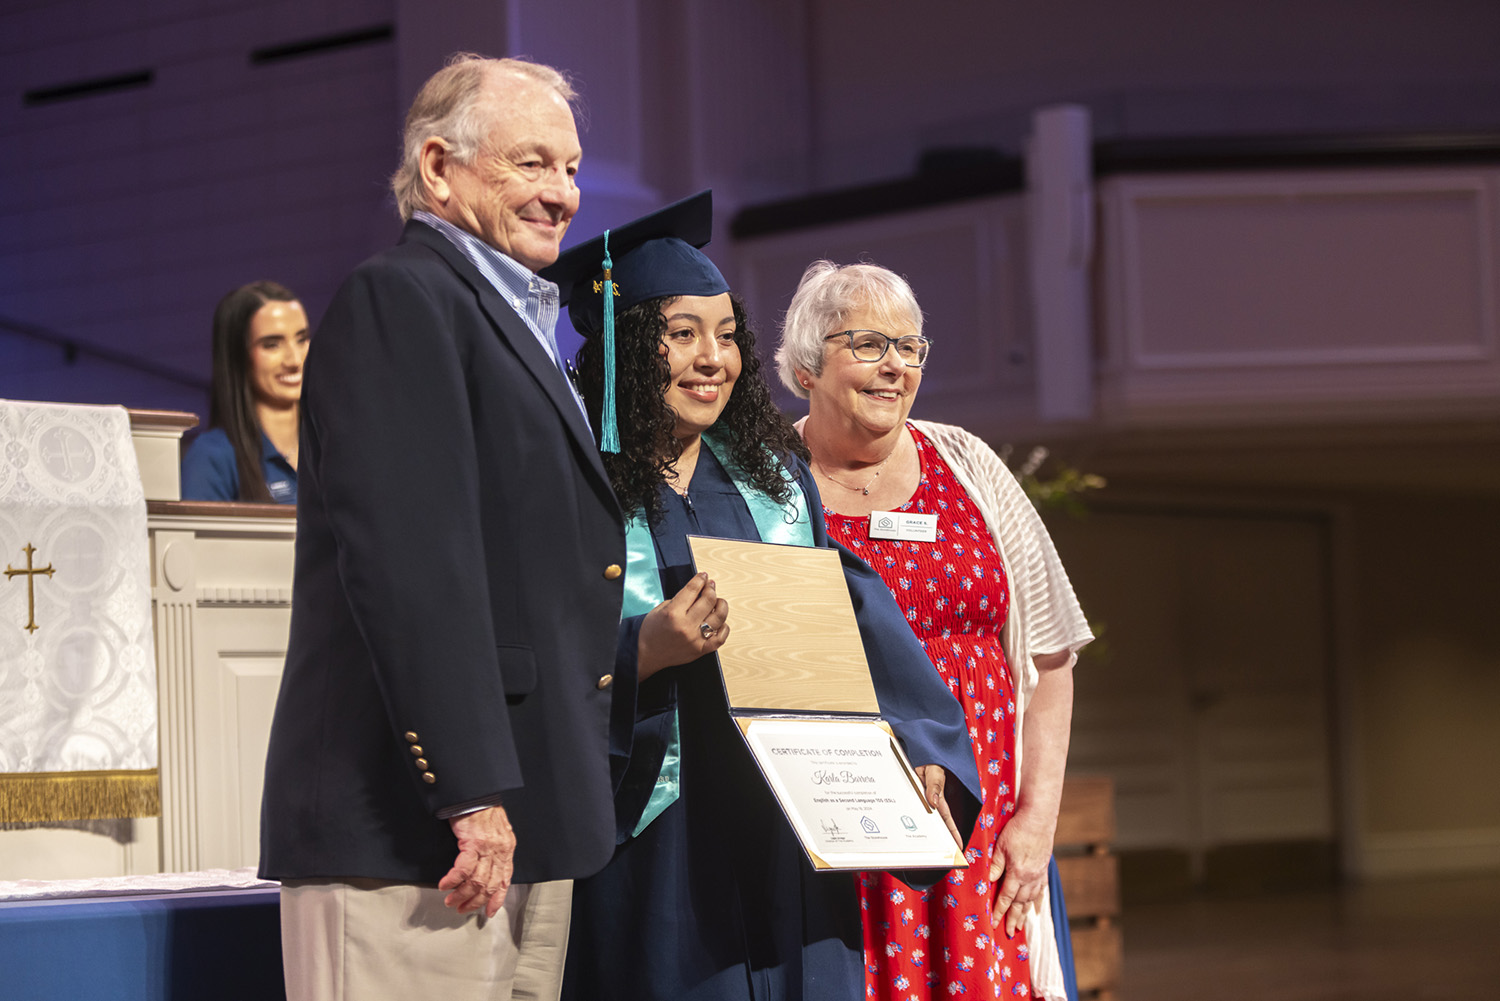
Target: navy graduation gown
<point x="715" y="899"/>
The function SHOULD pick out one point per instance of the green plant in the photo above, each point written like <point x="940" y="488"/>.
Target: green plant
<point x="1059" y="488"/>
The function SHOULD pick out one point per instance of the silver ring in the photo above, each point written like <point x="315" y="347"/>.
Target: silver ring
<point x="707" y="630"/>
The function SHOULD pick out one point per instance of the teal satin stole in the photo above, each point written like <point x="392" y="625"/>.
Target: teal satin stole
<point x="787" y="523"/>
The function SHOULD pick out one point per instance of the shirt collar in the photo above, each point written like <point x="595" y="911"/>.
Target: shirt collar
<point x="510" y="277"/>
<point x="269" y="452"/>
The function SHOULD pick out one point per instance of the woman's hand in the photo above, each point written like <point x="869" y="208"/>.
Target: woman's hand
<point x="1019" y="869"/>
<point x="691" y="623"/>
<point x="933" y="778"/>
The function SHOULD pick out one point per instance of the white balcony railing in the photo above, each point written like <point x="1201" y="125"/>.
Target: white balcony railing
<point x="1273" y="294"/>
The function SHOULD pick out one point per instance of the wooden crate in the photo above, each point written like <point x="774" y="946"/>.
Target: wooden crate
<point x="1090" y="875"/>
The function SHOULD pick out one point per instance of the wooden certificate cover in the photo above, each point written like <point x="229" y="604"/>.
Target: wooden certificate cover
<point x="793" y="644"/>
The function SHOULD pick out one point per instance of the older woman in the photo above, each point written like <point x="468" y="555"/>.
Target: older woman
<point x="249" y="452"/>
<point x="709" y="895"/>
<point x="982" y="587"/>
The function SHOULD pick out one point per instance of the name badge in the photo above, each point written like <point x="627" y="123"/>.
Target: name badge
<point x="904" y="526"/>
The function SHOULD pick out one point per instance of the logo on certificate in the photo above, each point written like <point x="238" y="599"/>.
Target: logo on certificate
<point x="908" y="823"/>
<point x="869" y="825"/>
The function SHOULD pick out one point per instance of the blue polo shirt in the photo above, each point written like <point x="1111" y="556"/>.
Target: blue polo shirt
<point x="209" y="471"/>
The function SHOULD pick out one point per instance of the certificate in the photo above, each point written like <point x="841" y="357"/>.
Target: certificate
<point x="799" y="688"/>
<point x="850" y="794"/>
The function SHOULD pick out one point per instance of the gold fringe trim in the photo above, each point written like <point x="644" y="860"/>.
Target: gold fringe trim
<point x="43" y="796"/>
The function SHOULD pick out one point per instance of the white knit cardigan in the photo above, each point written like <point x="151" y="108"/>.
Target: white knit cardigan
<point x="1044" y="614"/>
<point x="1044" y="618"/>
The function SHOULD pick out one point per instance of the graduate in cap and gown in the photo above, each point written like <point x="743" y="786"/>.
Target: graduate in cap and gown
<point x="709" y="894"/>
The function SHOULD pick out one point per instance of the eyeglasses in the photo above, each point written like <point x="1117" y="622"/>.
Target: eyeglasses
<point x="871" y="345"/>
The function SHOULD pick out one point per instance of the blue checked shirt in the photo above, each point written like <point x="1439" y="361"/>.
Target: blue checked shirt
<point x="534" y="299"/>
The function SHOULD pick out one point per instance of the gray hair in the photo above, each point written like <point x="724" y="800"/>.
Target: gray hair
<point x="826" y="296"/>
<point x="451" y="106"/>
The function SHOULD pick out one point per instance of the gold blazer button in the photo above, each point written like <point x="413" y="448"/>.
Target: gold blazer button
<point x="411" y="738"/>
<point x="612" y="572"/>
<point x="429" y="778"/>
<point x="604" y="682"/>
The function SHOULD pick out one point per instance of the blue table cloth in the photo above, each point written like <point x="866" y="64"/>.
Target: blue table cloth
<point x="222" y="944"/>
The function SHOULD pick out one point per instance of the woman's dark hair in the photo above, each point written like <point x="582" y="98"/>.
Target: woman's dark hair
<point x="232" y="403"/>
<point x="755" y="429"/>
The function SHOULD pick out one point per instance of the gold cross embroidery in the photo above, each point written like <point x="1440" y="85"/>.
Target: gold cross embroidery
<point x="30" y="574"/>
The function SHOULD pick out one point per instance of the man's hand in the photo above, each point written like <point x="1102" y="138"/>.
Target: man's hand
<point x="674" y="632"/>
<point x="1019" y="868"/>
<point x="933" y="778"/>
<point x="486" y="859"/>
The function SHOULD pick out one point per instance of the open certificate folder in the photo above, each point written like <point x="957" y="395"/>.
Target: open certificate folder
<point x="799" y="688"/>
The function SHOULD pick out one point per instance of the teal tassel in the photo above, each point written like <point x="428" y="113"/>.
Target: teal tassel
<point x="610" y="432"/>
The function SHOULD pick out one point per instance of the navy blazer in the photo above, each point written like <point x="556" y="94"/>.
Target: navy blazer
<point x="457" y="589"/>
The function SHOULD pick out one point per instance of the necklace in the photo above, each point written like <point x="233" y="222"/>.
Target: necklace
<point x="864" y="489"/>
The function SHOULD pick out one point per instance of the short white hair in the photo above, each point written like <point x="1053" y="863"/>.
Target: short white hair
<point x="826" y="296"/>
<point x="451" y="107"/>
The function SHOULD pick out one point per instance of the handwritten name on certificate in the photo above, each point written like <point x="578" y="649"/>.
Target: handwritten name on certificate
<point x="850" y="794"/>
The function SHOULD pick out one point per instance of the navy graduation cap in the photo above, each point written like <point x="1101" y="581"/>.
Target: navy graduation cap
<point x="654" y="256"/>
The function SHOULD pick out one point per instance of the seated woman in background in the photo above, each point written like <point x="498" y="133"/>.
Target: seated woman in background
<point x="983" y="588"/>
<point x="709" y="895"/>
<point x="249" y="452"/>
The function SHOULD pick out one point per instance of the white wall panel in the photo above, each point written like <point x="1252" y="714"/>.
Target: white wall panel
<point x="1208" y="697"/>
<point x="1276" y="296"/>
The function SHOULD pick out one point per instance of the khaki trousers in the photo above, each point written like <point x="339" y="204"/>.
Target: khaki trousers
<point x="369" y="940"/>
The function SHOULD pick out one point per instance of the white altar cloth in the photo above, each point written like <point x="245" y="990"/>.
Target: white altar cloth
<point x="132" y="886"/>
<point x="77" y="661"/>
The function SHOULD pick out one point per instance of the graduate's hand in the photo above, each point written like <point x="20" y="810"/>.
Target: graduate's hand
<point x="1019" y="869"/>
<point x="486" y="860"/>
<point x="933" y="779"/>
<point x="672" y="633"/>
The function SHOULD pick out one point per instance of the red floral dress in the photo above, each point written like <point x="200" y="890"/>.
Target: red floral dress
<point x="939" y="943"/>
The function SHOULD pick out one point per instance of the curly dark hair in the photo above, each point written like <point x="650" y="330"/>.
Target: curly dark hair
<point x="756" y="430"/>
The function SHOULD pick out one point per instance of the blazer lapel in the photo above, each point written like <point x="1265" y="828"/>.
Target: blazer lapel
<point x="509" y="325"/>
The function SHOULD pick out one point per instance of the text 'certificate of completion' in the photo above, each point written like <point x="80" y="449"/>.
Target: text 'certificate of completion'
<point x="850" y="794"/>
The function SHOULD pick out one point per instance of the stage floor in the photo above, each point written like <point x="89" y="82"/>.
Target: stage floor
<point x="1382" y="941"/>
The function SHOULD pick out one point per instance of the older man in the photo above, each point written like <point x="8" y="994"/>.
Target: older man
<point x="439" y="764"/>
